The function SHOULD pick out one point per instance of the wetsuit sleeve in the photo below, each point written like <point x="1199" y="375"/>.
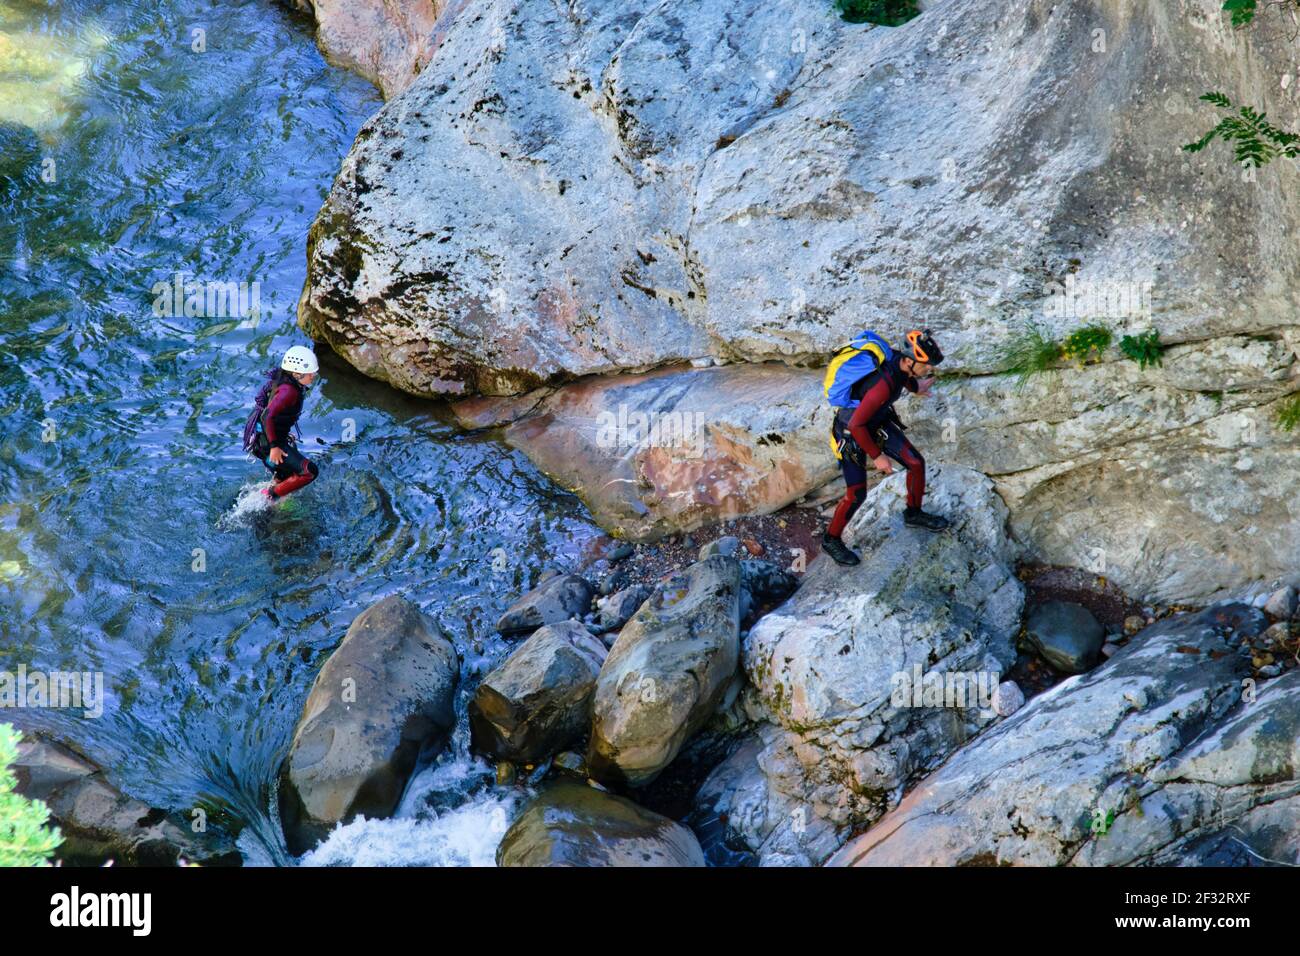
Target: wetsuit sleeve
<point x="871" y="403"/>
<point x="281" y="402"/>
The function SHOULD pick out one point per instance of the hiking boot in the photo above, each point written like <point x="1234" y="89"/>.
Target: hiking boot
<point x="916" y="518"/>
<point x="838" y="550"/>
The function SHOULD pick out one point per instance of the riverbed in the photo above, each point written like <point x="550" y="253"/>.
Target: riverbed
<point x="172" y="137"/>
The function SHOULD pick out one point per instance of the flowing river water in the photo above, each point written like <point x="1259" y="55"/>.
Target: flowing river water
<point x="142" y="140"/>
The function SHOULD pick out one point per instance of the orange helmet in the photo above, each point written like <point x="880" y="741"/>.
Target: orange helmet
<point x="922" y="347"/>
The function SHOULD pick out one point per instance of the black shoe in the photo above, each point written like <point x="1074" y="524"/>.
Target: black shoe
<point x="838" y="550"/>
<point x="916" y="518"/>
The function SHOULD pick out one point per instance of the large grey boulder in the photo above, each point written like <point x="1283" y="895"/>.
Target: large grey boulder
<point x="1161" y="755"/>
<point x="1066" y="635"/>
<point x="578" y="192"/>
<point x="667" y="673"/>
<point x="384" y="697"/>
<point x="561" y="597"/>
<point x="846" y="670"/>
<point x="572" y="824"/>
<point x="100" y="823"/>
<point x="539" y="699"/>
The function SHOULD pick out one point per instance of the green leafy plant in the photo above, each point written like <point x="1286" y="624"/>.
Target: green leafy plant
<point x="1029" y="352"/>
<point x="1145" y="349"/>
<point x="1086" y="344"/>
<point x="885" y="13"/>
<point x="1243" y="11"/>
<point x="1255" y="141"/>
<point x="1288" y="413"/>
<point x="25" y="839"/>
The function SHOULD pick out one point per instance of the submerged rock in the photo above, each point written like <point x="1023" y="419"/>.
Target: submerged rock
<point x="667" y="673"/>
<point x="560" y="597"/>
<point x="572" y="824"/>
<point x="383" y="698"/>
<point x="833" y="668"/>
<point x="100" y="823"/>
<point x="1155" y="758"/>
<point x="1065" y="635"/>
<point x="539" y="699"/>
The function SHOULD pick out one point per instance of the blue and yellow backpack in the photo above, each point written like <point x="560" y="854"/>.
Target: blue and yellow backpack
<point x="853" y="362"/>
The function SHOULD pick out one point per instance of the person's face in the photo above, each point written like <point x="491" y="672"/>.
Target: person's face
<point x="917" y="369"/>
<point x="306" y="377"/>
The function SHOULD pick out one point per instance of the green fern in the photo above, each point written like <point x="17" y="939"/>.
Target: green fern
<point x="25" y="840"/>
<point x="886" y="13"/>
<point x="1288" y="413"/>
<point x="1255" y="141"/>
<point x="1243" y="11"/>
<point x="1145" y="349"/>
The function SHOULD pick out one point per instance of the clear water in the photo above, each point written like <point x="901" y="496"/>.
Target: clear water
<point x="213" y="164"/>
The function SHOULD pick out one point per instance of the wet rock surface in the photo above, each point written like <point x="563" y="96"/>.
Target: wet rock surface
<point x="384" y="697"/>
<point x="99" y="823"/>
<point x="538" y="700"/>
<point x="667" y="672"/>
<point x="572" y="824"/>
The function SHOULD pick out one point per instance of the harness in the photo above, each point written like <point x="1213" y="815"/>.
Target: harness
<point x="842" y="440"/>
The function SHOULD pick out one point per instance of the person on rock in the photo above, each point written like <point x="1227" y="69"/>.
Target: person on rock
<point x="268" y="431"/>
<point x="870" y="431"/>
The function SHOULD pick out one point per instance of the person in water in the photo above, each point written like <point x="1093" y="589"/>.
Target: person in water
<point x="279" y="405"/>
<point x="872" y="431"/>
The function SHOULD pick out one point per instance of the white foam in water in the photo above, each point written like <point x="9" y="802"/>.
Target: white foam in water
<point x="251" y="501"/>
<point x="422" y="835"/>
<point x="465" y="836"/>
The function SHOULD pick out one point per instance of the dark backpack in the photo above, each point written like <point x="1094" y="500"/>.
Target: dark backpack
<point x="260" y="402"/>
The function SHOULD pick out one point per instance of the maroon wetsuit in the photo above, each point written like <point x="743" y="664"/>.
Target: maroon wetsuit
<point x="874" y="417"/>
<point x="281" y="414"/>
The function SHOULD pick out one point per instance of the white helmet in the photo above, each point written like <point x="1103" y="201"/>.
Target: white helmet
<point x="299" y="359"/>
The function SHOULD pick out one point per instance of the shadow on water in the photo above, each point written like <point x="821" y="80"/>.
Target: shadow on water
<point x="132" y="158"/>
